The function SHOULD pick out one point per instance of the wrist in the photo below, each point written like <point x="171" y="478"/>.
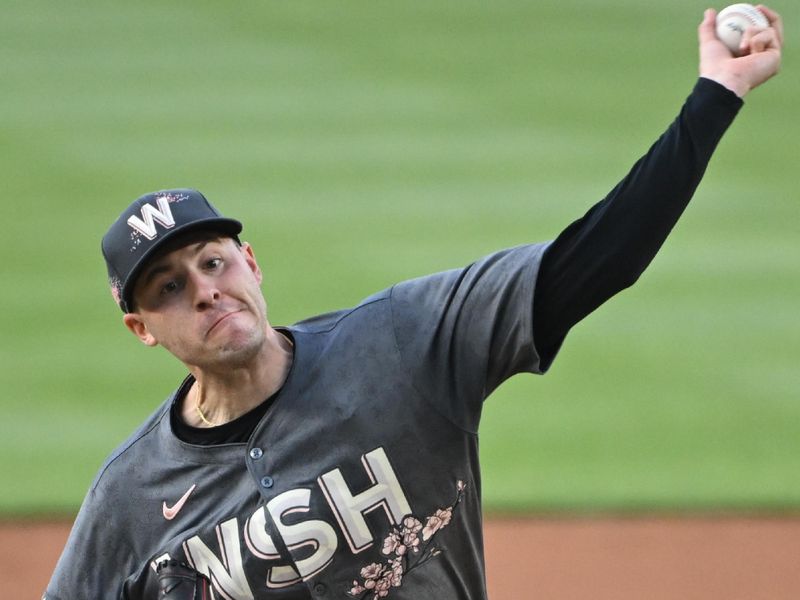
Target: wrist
<point x="734" y="83"/>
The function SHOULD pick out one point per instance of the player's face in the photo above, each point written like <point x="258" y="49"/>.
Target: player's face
<point x="202" y="301"/>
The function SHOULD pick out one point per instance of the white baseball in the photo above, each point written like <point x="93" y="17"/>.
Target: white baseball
<point x="732" y="22"/>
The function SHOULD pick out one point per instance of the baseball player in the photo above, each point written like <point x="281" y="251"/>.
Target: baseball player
<point x="338" y="457"/>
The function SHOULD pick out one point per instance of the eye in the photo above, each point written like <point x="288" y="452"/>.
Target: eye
<point x="169" y="287"/>
<point x="213" y="263"/>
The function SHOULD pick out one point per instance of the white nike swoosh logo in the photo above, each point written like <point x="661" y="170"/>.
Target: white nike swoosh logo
<point x="171" y="511"/>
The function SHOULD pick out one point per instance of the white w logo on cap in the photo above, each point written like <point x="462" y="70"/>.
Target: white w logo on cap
<point x="147" y="224"/>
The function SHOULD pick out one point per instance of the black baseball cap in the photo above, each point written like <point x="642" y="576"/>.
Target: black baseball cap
<point x="149" y="223"/>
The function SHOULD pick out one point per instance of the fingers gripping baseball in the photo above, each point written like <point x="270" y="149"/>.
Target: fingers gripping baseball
<point x="759" y="59"/>
<point x="755" y="41"/>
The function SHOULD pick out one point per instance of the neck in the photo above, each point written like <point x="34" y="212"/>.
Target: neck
<point x="221" y="395"/>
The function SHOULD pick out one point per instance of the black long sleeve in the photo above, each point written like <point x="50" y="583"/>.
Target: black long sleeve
<point x="607" y="249"/>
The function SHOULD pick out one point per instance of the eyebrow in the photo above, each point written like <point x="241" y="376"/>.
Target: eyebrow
<point x="161" y="267"/>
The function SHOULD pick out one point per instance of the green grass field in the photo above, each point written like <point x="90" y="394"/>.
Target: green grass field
<point x="367" y="142"/>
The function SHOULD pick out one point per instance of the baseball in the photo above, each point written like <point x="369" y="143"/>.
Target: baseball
<point x="732" y="22"/>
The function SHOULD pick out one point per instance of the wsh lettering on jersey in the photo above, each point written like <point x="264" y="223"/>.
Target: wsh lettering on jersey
<point x="226" y="569"/>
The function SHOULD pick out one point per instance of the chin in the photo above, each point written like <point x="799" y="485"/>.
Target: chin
<point x="237" y="352"/>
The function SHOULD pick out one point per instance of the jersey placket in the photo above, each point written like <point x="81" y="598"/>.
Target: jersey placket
<point x="279" y="575"/>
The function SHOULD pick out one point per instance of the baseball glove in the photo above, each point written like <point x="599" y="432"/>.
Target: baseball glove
<point x="179" y="581"/>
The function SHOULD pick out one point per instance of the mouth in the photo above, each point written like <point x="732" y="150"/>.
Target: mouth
<point x="220" y="320"/>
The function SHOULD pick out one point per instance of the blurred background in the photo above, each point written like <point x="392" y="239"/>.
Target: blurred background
<point x="363" y="143"/>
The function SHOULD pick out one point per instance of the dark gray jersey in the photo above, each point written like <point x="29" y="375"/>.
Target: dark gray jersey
<point x="362" y="480"/>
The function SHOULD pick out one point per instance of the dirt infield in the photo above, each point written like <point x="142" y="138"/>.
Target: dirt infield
<point x="564" y="559"/>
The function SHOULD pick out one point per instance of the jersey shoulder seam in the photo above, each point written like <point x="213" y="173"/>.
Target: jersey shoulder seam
<point x="345" y="313"/>
<point x="129" y="443"/>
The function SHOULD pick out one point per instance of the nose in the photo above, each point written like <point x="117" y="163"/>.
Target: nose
<point x="206" y="294"/>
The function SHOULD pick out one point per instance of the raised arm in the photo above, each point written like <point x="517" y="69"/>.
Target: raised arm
<point x="608" y="248"/>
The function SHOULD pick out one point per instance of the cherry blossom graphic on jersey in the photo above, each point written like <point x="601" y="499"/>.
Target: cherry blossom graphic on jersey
<point x="407" y="547"/>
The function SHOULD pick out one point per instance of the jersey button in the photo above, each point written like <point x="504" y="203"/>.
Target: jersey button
<point x="320" y="589"/>
<point x="267" y="481"/>
<point x="256" y="453"/>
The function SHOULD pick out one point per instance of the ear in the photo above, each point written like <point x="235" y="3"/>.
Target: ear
<point x="250" y="259"/>
<point x="138" y="328"/>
